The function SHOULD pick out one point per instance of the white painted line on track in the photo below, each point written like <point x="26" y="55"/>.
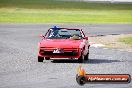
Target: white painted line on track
<point x="92" y="44"/>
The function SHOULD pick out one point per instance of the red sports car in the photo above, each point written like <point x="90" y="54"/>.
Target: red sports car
<point x="63" y="43"/>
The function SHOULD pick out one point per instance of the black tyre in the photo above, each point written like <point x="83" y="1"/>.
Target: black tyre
<point x="40" y="59"/>
<point x="47" y="58"/>
<point x="87" y="56"/>
<point x="81" y="58"/>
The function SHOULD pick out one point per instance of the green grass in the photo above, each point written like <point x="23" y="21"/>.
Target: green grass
<point x="51" y="11"/>
<point x="54" y="4"/>
<point x="127" y="40"/>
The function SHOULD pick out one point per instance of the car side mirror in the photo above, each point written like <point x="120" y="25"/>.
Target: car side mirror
<point x="86" y="38"/>
<point x="40" y="35"/>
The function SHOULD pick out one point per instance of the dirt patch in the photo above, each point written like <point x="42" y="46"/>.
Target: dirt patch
<point x="112" y="41"/>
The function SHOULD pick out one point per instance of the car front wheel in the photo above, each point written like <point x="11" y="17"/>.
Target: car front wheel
<point x="81" y="58"/>
<point x="40" y="59"/>
<point x="86" y="57"/>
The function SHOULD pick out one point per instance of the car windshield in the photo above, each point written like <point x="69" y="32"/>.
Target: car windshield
<point x="63" y="33"/>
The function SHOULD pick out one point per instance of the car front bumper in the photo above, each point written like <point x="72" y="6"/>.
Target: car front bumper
<point x="67" y="53"/>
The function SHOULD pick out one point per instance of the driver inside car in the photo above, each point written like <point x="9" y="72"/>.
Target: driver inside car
<point x="75" y="37"/>
<point x="54" y="33"/>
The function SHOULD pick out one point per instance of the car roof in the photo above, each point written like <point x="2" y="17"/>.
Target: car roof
<point x="68" y="28"/>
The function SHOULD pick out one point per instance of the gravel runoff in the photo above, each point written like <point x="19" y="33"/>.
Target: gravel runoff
<point x="19" y="67"/>
<point x="112" y="41"/>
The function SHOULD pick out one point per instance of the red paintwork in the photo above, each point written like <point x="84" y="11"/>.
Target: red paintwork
<point x="51" y="44"/>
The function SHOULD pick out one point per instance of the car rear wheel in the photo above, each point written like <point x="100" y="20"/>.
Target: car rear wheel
<point x="47" y="58"/>
<point x="81" y="58"/>
<point x="40" y="59"/>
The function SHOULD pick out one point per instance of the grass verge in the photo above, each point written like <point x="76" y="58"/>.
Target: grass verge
<point x="126" y="40"/>
<point x="52" y="11"/>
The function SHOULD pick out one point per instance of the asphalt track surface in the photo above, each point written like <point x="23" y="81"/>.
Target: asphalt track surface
<point x="18" y="58"/>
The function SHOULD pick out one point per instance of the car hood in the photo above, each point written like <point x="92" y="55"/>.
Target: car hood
<point x="61" y="43"/>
